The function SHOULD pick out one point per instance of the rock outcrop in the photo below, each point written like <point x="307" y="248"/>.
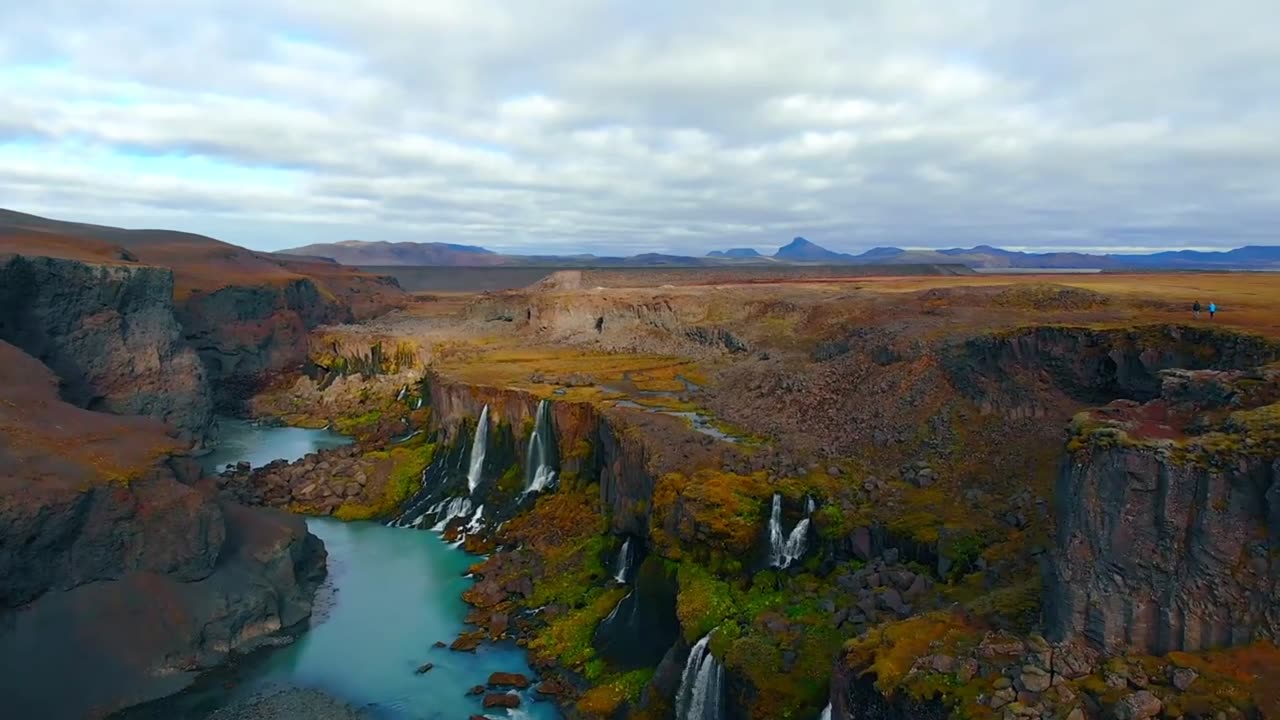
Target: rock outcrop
<point x="121" y="571"/>
<point x="110" y="334"/>
<point x="1169" y="519"/>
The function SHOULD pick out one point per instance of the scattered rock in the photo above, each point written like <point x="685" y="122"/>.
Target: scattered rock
<point x="477" y="690"/>
<point x="553" y="687"/>
<point x="467" y="642"/>
<point x="1034" y="679"/>
<point x="1183" y="677"/>
<point x="423" y="668"/>
<point x="501" y="700"/>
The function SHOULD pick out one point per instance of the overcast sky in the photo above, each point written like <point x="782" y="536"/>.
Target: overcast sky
<point x="663" y="125"/>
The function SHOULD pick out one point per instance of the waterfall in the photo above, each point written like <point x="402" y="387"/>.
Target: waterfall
<point x="404" y="392"/>
<point x="826" y="713"/>
<point x="623" y="566"/>
<point x="417" y="404"/>
<point x="809" y="507"/>
<point x="701" y="685"/>
<point x="447" y="510"/>
<point x="777" y="541"/>
<point x="476" y="523"/>
<point x="786" y="549"/>
<point x="613" y="614"/>
<point x="539" y="471"/>
<point x="797" y="542"/>
<point x="477" y="451"/>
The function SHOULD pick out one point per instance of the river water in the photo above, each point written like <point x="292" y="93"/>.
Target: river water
<point x="260" y="444"/>
<point x="390" y="595"/>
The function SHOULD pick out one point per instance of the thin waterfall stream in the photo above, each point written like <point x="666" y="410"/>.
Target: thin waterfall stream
<point x="475" y="467"/>
<point x="540" y="471"/>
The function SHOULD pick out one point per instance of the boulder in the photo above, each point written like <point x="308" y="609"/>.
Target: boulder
<point x="1138" y="706"/>
<point x="508" y="679"/>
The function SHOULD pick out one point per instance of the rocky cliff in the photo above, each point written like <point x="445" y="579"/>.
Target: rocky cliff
<point x="110" y="334"/>
<point x="246" y="313"/>
<point x="121" y="573"/>
<point x="244" y="333"/>
<point x="1169" y="518"/>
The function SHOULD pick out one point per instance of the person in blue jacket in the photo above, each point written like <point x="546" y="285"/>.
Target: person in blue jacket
<point x="1213" y="308"/>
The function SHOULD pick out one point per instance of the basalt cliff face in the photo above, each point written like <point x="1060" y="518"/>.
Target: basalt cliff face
<point x="110" y="334"/>
<point x="246" y="314"/>
<point x="119" y="566"/>
<point x="1169" y="519"/>
<point x="246" y="333"/>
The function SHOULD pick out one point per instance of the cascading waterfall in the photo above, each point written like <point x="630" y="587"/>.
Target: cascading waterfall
<point x="404" y="392"/>
<point x="701" y="694"/>
<point x="447" y="510"/>
<point x="417" y="404"/>
<point x="476" y="465"/>
<point x="476" y="524"/>
<point x="786" y="549"/>
<point x="777" y="542"/>
<point x="539" y="461"/>
<point x="826" y="713"/>
<point x="623" y="567"/>
<point x="797" y="542"/>
<point x="809" y="507"/>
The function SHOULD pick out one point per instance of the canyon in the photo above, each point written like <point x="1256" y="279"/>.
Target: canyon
<point x="885" y="497"/>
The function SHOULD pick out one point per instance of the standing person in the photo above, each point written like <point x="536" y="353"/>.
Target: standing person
<point x="1213" y="308"/>
<point x="1195" y="309"/>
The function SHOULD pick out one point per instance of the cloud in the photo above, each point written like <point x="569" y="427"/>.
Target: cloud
<point x="587" y="125"/>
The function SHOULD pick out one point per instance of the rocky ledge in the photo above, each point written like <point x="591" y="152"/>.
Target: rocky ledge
<point x="121" y="571"/>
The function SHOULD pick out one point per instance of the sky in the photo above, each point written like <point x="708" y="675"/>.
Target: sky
<point x="660" y="126"/>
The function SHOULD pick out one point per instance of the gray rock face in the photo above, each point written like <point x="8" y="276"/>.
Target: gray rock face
<point x="58" y="537"/>
<point x="110" y="333"/>
<point x="146" y="634"/>
<point x="1158" y="554"/>
<point x="243" y="332"/>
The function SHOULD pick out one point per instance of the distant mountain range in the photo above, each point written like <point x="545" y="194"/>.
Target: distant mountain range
<point x="797" y="252"/>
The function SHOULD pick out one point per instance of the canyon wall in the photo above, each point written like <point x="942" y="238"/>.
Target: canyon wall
<point x="119" y="567"/>
<point x="245" y="333"/>
<point x="110" y="334"/>
<point x="1169" y="540"/>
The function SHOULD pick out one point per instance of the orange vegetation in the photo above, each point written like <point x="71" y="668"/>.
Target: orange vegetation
<point x="42" y="437"/>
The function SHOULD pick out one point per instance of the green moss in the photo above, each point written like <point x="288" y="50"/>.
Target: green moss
<point x="355" y="425"/>
<point x="612" y="692"/>
<point x="567" y="638"/>
<point x="512" y="481"/>
<point x="703" y="602"/>
<point x="709" y="511"/>
<point x="888" y="651"/>
<point x="403" y="480"/>
<point x="1016" y="607"/>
